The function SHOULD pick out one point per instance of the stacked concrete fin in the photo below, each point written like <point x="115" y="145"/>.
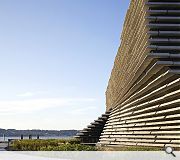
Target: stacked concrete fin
<point x="144" y="87"/>
<point x="91" y="134"/>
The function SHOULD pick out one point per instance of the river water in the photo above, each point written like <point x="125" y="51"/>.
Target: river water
<point x="33" y="137"/>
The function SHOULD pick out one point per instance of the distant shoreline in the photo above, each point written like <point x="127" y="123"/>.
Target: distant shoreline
<point x="34" y="133"/>
<point x="2" y="139"/>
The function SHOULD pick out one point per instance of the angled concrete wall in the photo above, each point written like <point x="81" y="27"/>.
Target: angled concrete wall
<point x="143" y="93"/>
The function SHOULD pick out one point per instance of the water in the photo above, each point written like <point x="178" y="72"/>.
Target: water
<point x="33" y="137"/>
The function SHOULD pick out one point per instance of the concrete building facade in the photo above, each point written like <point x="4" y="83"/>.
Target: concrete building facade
<point x="143" y="93"/>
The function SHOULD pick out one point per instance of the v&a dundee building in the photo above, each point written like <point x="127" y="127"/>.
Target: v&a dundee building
<point x="143" y="93"/>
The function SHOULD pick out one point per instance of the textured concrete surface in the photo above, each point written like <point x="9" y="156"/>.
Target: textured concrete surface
<point x="143" y="92"/>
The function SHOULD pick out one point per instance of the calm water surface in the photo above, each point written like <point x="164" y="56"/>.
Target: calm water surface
<point x="33" y="137"/>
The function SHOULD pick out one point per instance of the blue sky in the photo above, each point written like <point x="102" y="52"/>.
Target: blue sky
<point x="55" y="60"/>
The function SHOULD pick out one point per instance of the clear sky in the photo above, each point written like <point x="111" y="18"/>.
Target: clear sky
<point x="55" y="60"/>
